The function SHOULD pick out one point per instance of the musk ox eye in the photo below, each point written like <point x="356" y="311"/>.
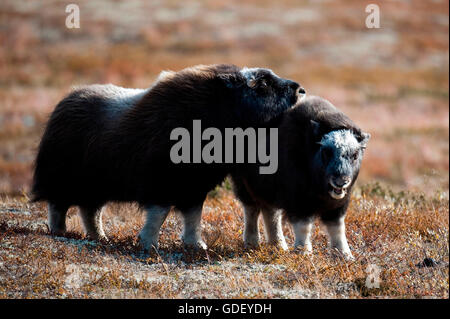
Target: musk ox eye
<point x="355" y="156"/>
<point x="327" y="153"/>
<point x="263" y="83"/>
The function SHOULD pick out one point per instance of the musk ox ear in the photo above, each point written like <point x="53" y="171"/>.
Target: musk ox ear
<point x="315" y="126"/>
<point x="251" y="82"/>
<point x="364" y="139"/>
<point x="231" y="80"/>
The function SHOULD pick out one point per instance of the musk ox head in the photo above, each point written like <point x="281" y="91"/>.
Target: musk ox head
<point x="261" y="91"/>
<point x="337" y="159"/>
<point x="251" y="95"/>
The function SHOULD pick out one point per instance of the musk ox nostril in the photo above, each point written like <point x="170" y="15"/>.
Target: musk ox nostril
<point x="341" y="181"/>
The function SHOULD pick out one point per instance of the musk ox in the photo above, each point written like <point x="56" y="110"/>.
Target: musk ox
<point x="320" y="153"/>
<point x="105" y="143"/>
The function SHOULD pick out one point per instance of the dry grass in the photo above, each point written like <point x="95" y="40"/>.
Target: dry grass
<point x="394" y="231"/>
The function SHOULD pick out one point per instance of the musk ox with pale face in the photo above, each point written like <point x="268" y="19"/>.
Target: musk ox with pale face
<point x="320" y="154"/>
<point x="105" y="143"/>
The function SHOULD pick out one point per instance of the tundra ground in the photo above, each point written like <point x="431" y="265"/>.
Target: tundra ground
<point x="391" y="234"/>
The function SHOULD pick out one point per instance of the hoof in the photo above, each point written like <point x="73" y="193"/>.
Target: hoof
<point x="57" y="233"/>
<point x="197" y="246"/>
<point x="251" y="241"/>
<point x="302" y="251"/>
<point x="347" y="255"/>
<point x="147" y="245"/>
<point x="251" y="245"/>
<point x="283" y="246"/>
<point x="102" y="239"/>
<point x="279" y="245"/>
<point x="305" y="249"/>
<point x="97" y="237"/>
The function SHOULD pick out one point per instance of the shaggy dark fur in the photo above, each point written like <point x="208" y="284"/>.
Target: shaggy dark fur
<point x="301" y="185"/>
<point x="97" y="149"/>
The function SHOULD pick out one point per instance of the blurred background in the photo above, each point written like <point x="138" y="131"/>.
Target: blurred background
<point x="392" y="81"/>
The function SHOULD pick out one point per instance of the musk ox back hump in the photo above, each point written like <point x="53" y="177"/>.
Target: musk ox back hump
<point x="75" y="125"/>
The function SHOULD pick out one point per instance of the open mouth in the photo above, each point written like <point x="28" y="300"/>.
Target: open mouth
<point x="337" y="192"/>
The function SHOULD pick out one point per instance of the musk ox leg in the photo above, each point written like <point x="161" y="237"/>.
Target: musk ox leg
<point x="57" y="218"/>
<point x="273" y="226"/>
<point x="149" y="235"/>
<point x="338" y="240"/>
<point x="302" y="231"/>
<point x="192" y="234"/>
<point x="251" y="233"/>
<point x="92" y="222"/>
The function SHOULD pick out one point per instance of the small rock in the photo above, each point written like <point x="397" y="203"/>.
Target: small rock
<point x="428" y="262"/>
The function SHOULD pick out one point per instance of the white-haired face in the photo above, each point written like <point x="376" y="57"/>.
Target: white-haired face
<point x="339" y="157"/>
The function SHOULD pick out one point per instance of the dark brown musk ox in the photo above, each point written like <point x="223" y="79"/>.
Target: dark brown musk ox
<point x="105" y="143"/>
<point x="320" y="154"/>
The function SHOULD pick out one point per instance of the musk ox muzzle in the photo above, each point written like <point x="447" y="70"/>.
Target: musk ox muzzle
<point x="338" y="160"/>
